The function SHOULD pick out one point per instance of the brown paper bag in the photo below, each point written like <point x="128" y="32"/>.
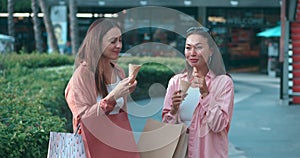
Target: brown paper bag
<point x="182" y="146"/>
<point x="163" y="140"/>
<point x="133" y="70"/>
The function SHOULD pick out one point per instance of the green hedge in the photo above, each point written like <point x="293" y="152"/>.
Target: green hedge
<point x="31" y="103"/>
<point x="174" y="64"/>
<point x="32" y="99"/>
<point x="34" y="60"/>
<point x="154" y="70"/>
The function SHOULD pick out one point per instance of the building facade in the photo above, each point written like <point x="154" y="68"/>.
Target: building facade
<point x="234" y="23"/>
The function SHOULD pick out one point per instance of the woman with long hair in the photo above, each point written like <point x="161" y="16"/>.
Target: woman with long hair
<point x="206" y="108"/>
<point x="98" y="90"/>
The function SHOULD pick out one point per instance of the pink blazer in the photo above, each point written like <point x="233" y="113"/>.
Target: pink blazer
<point x="208" y="132"/>
<point x="81" y="96"/>
<point x="81" y="93"/>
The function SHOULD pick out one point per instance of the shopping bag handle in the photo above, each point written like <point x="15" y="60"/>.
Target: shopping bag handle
<point x="77" y="129"/>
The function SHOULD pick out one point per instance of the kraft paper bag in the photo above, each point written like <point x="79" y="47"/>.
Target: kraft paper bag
<point x="162" y="140"/>
<point x="133" y="70"/>
<point x="181" y="148"/>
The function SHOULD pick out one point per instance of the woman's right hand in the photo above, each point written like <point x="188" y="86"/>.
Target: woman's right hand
<point x="123" y="88"/>
<point x="176" y="101"/>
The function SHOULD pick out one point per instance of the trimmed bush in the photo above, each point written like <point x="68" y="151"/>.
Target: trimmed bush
<point x="153" y="70"/>
<point x="34" y="60"/>
<point x="174" y="64"/>
<point x="31" y="105"/>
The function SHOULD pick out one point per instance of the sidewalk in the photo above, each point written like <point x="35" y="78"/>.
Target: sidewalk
<point x="242" y="92"/>
<point x="261" y="126"/>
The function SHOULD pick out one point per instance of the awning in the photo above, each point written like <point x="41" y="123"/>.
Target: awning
<point x="272" y="32"/>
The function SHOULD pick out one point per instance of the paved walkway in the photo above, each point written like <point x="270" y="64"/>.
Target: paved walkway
<point x="261" y="126"/>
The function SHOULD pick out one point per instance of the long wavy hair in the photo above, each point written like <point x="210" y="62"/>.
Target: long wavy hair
<point x="91" y="51"/>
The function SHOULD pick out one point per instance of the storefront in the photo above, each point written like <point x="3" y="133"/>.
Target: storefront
<point x="236" y="33"/>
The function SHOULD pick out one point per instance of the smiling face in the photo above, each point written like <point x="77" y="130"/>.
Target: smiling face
<point x="112" y="44"/>
<point x="197" y="51"/>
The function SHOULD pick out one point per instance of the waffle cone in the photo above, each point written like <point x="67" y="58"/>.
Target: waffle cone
<point x="184" y="86"/>
<point x="133" y="70"/>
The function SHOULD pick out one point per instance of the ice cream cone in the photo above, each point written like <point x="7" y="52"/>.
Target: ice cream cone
<point x="184" y="86"/>
<point x="133" y="70"/>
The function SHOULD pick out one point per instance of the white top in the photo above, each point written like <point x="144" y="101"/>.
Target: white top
<point x="189" y="104"/>
<point x="120" y="101"/>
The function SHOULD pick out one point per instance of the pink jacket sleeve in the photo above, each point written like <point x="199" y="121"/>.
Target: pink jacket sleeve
<point x="81" y="94"/>
<point x="219" y="104"/>
<point x="167" y="117"/>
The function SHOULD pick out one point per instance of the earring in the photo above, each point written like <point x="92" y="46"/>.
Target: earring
<point x="209" y="60"/>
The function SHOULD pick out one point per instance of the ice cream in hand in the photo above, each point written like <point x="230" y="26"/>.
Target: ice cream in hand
<point x="184" y="86"/>
<point x="133" y="70"/>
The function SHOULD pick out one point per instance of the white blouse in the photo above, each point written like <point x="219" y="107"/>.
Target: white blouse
<point x="120" y="101"/>
<point x="189" y="104"/>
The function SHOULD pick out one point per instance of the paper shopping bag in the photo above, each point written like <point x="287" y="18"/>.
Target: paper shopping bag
<point x="109" y="136"/>
<point x="161" y="140"/>
<point x="182" y="145"/>
<point x="63" y="145"/>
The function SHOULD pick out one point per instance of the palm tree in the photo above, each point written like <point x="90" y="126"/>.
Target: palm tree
<point x="48" y="25"/>
<point x="10" y="19"/>
<point x="74" y="26"/>
<point x="36" y="27"/>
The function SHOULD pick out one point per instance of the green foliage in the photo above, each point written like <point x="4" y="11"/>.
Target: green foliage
<point x="35" y="60"/>
<point x="154" y="70"/>
<point x="3" y="4"/>
<point x="19" y="5"/>
<point x="31" y="105"/>
<point x="175" y="64"/>
<point x="25" y="126"/>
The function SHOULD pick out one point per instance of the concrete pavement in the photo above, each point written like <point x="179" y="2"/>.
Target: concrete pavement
<point x="261" y="126"/>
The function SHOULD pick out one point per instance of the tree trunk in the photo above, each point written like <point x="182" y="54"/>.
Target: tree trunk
<point x="10" y="18"/>
<point x="49" y="26"/>
<point x="74" y="26"/>
<point x="36" y="27"/>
